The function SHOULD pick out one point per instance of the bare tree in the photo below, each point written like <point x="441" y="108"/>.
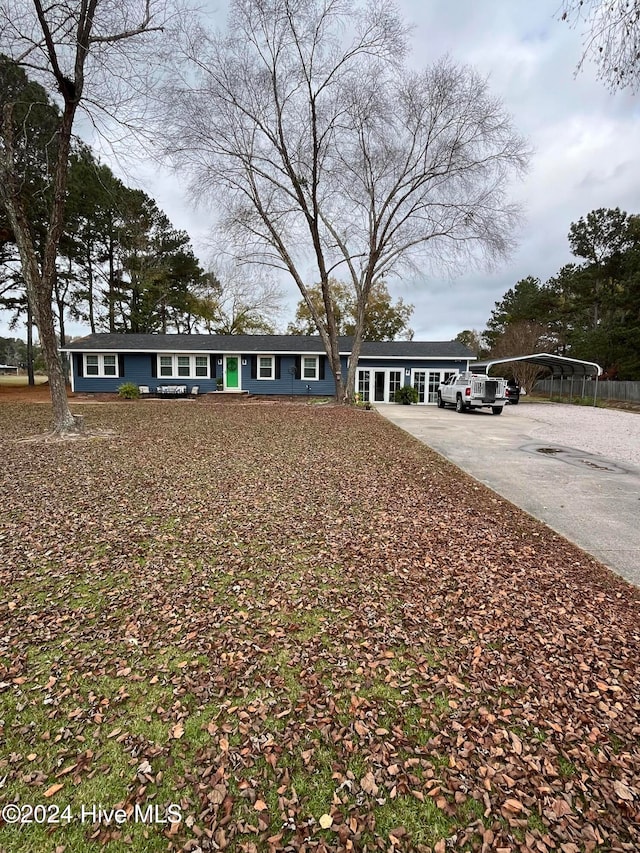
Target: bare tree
<point x="330" y="159"/>
<point x="240" y="303"/>
<point x="89" y="54"/>
<point x="611" y="37"/>
<point x="524" y="337"/>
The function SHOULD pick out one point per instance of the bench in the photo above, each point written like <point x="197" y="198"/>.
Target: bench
<point x="171" y="391"/>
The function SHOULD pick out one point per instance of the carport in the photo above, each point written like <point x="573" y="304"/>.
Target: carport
<point x="560" y="366"/>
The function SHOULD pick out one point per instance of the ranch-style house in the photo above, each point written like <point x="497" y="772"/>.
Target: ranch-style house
<point x="258" y="364"/>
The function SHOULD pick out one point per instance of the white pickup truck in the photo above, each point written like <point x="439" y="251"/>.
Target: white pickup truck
<point x="468" y="391"/>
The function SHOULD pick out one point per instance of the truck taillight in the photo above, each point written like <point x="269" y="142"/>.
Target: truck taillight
<point x="467" y="392"/>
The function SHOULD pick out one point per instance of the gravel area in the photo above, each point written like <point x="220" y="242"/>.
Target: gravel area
<point x="610" y="433"/>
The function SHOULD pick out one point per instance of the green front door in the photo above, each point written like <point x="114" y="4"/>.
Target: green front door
<point x="232" y="378"/>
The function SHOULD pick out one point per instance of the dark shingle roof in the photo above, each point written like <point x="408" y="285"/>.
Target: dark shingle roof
<point x="105" y="342"/>
<point x="415" y="349"/>
<point x="197" y="343"/>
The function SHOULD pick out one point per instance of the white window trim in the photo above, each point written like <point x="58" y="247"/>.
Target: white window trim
<point x="100" y="374"/>
<point x="174" y="365"/>
<point x="316" y="376"/>
<point x="272" y="359"/>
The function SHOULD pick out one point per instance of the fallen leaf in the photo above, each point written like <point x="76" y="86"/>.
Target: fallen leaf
<point x="623" y="792"/>
<point x="368" y="784"/>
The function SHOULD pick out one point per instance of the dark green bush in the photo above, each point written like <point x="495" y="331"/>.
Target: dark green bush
<point x="407" y="394"/>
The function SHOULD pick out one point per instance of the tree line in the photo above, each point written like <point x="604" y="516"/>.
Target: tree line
<point x="590" y="309"/>
<point x="121" y="266"/>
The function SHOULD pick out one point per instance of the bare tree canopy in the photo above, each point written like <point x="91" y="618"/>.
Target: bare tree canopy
<point x="329" y="158"/>
<point x="93" y="54"/>
<point x="611" y="37"/>
<point x="238" y="303"/>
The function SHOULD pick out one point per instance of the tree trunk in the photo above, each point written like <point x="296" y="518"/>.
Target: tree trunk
<point x="90" y="288"/>
<point x="112" y="284"/>
<point x="355" y="354"/>
<point x="362" y="303"/>
<point x="30" y="375"/>
<point x="39" y="282"/>
<point x="60" y="302"/>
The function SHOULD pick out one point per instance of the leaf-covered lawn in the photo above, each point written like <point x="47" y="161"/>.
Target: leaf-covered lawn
<point x="303" y="631"/>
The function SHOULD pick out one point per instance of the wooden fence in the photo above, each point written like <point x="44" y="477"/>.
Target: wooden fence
<point x="607" y="390"/>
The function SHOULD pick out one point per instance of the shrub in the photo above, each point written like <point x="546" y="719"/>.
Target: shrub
<point x="128" y="391"/>
<point x="407" y="394"/>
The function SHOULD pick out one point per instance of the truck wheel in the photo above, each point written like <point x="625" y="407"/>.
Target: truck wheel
<point x="459" y="404"/>
<point x="440" y="401"/>
<point x="497" y="410"/>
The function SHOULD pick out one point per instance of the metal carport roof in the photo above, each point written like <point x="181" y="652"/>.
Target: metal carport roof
<point x="559" y="365"/>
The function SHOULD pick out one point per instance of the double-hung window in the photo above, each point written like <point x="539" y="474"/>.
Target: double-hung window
<point x="310" y="367"/>
<point x="100" y="365"/>
<point x="202" y="366"/>
<point x="265" y="367"/>
<point x="183" y="366"/>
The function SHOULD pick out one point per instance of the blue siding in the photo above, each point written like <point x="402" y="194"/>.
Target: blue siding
<point x="288" y="383"/>
<point x="138" y="369"/>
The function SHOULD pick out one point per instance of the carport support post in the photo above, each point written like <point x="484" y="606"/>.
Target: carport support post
<point x="595" y="389"/>
<point x="584" y="382"/>
<point x="571" y="390"/>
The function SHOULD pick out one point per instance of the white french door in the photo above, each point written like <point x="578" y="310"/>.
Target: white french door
<point x="378" y="385"/>
<point x="426" y="383"/>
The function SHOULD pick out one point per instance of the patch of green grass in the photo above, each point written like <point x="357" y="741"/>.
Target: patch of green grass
<point x="535" y="822"/>
<point x="566" y="769"/>
<point x="441" y="703"/>
<point x="424" y="822"/>
<point x="617" y="744"/>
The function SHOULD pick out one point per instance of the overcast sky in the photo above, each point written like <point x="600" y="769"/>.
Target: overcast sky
<point x="586" y="144"/>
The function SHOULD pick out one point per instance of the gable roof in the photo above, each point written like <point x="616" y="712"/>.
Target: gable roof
<point x="272" y="344"/>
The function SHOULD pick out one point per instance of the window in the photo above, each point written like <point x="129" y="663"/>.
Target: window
<point x="310" y="367"/>
<point x="395" y="383"/>
<point x="183" y="366"/>
<point x="364" y="385"/>
<point x="91" y="365"/>
<point x="101" y="365"/>
<point x="265" y="367"/>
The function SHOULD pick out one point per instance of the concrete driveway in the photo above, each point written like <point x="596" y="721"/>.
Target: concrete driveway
<point x="544" y="462"/>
